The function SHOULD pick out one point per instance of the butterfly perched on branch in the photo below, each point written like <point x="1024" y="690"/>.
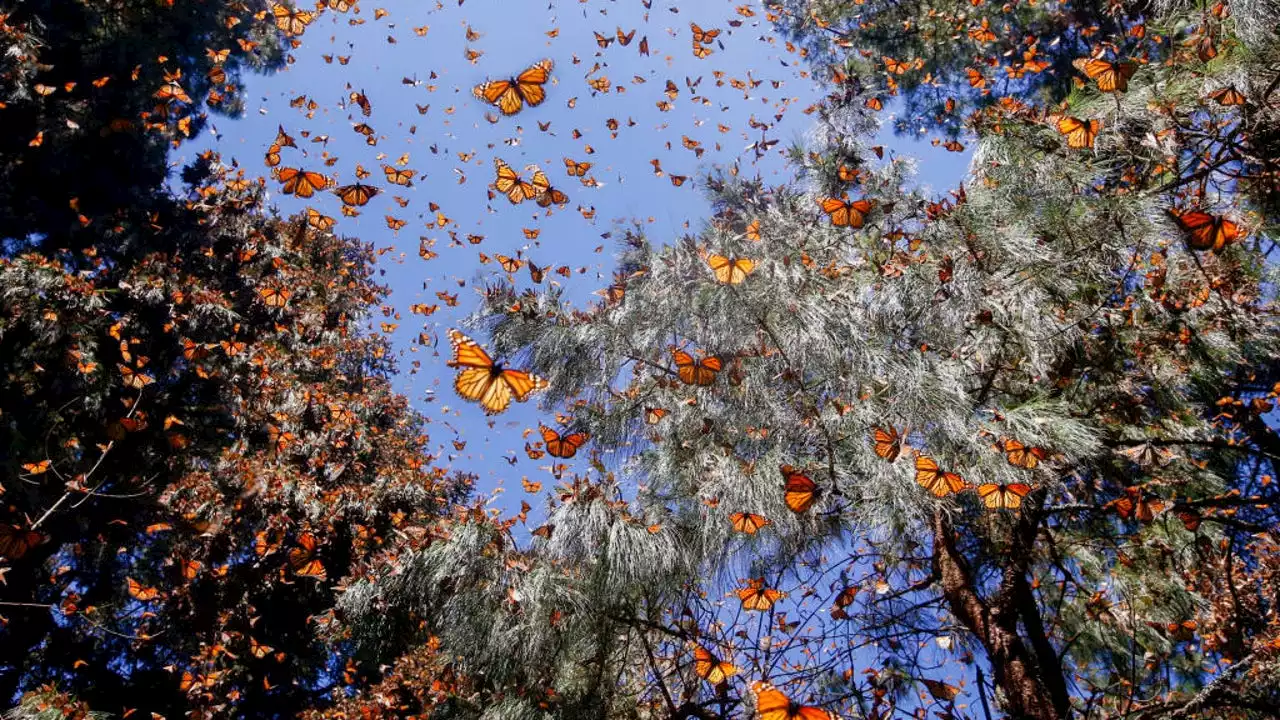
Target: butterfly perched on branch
<point x="1204" y="231"/>
<point x="696" y="372"/>
<point x="482" y="380"/>
<point x="800" y="492"/>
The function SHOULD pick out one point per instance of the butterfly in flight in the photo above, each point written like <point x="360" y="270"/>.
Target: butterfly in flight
<point x="755" y="596"/>
<point x="509" y="183"/>
<point x="772" y="704"/>
<point x="511" y="95"/>
<point x="303" y="560"/>
<point x="562" y="446"/>
<point x="482" y="380"/>
<point x="711" y="668"/>
<point x="1019" y="455"/>
<point x="1205" y="231"/>
<point x="1111" y="77"/>
<point x="748" y="523"/>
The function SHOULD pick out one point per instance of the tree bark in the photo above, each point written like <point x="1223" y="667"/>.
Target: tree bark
<point x="1013" y="667"/>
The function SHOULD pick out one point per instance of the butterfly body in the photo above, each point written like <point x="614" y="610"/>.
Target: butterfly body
<point x="512" y="94"/>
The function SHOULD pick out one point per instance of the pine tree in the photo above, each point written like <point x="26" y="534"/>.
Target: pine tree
<point x="872" y="447"/>
<point x="200" y="438"/>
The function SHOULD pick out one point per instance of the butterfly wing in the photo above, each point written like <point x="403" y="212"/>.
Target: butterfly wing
<point x="837" y="209"/>
<point x="530" y="83"/>
<point x="467" y="353"/>
<point x="706" y="370"/>
<point x="799" y="491"/>
<point x="933" y="479"/>
<point x="771" y="704"/>
<point x="887" y="443"/>
<point x="522" y="384"/>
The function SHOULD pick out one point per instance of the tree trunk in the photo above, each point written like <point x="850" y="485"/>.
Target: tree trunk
<point x="1014" y="670"/>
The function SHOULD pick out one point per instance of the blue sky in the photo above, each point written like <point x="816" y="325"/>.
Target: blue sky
<point x="412" y="65"/>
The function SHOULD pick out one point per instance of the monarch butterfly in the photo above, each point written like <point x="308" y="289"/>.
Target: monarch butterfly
<point x="134" y="378"/>
<point x="897" y="67"/>
<point x="753" y="231"/>
<point x="652" y="416"/>
<point x="755" y="596"/>
<point x="711" y="668"/>
<point x="874" y="103"/>
<point x="624" y="39"/>
<point x="562" y="446"/>
<point x="302" y="183"/>
<point x="1228" y="95"/>
<point x="842" y="601"/>
<point x="976" y="78"/>
<point x="482" y="380"/>
<point x="512" y="94"/>
<point x="512" y="185"/>
<point x="934" y="479"/>
<point x="536" y="273"/>
<point x="1080" y="133"/>
<point x="575" y="168"/>
<point x="799" y="491"/>
<point x="303" y="560"/>
<point x="275" y="296"/>
<point x="1020" y="455"/>
<point x="703" y="36"/>
<point x="395" y="223"/>
<point x="1204" y="231"/>
<point x="16" y="541"/>
<point x="396" y="176"/>
<point x="731" y="272"/>
<point x="748" y="523"/>
<point x="292" y="22"/>
<point x="356" y="194"/>
<point x="258" y="650"/>
<point x="701" y="51"/>
<point x="546" y="194"/>
<point x="1133" y="505"/>
<point x="887" y="442"/>
<point x="1111" y="77"/>
<point x="1003" y="497"/>
<point x="772" y="704"/>
<point x="319" y="221"/>
<point x="696" y="372"/>
<point x="844" y="213"/>
<point x="138" y="591"/>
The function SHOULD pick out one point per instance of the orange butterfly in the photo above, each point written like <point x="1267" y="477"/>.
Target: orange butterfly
<point x="748" y="523"/>
<point x="934" y="479"/>
<point x="1111" y="77"/>
<point x="512" y="185"/>
<point x="575" y="168"/>
<point x="799" y="491"/>
<point x="711" y="668"/>
<point x="887" y="443"/>
<point x="486" y="382"/>
<point x="730" y="272"/>
<point x="546" y="194"/>
<point x="701" y="36"/>
<point x="874" y="103"/>
<point x="1003" y="497"/>
<point x="303" y="560"/>
<point x="562" y="446"/>
<point x="1080" y="133"/>
<point x="138" y="591"/>
<point x="15" y="541"/>
<point x="356" y="194"/>
<point x="696" y="372"/>
<point x="772" y="704"/>
<point x="1204" y="231"/>
<point x="897" y="67"/>
<point x="512" y="94"/>
<point x="1228" y="95"/>
<point x="396" y="176"/>
<point x="653" y="416"/>
<point x="755" y="596"/>
<point x="291" y="22"/>
<point x="844" y="213"/>
<point x="275" y="296"/>
<point x="302" y="183"/>
<point x="1020" y="455"/>
<point x="1134" y="505"/>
